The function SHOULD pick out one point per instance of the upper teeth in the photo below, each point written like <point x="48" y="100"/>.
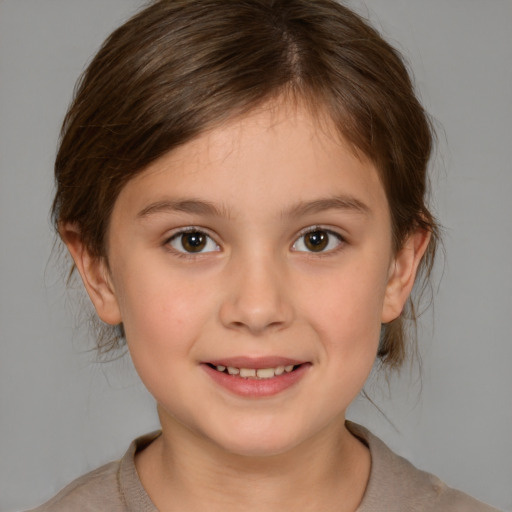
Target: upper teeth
<point x="258" y="373"/>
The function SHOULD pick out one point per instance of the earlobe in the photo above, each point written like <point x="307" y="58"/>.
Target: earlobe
<point x="402" y="274"/>
<point x="94" y="274"/>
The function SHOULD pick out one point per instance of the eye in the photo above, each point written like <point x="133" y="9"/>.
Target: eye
<point x="192" y="241"/>
<point x="317" y="240"/>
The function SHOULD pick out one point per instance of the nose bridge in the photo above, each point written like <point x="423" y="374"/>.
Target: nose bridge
<point x="256" y="299"/>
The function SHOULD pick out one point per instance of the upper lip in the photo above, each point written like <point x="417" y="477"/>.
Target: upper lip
<point x="255" y="362"/>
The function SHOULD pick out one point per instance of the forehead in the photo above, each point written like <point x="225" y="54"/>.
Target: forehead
<point x="276" y="156"/>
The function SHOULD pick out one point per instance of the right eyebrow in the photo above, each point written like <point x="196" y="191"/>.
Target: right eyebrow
<point x="195" y="206"/>
<point x="344" y="203"/>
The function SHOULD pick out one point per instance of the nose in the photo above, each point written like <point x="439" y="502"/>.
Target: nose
<point x="257" y="295"/>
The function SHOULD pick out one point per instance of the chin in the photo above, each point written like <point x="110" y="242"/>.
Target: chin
<point x="258" y="438"/>
<point x="257" y="446"/>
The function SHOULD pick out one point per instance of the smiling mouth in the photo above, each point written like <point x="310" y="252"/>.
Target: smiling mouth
<point x="255" y="373"/>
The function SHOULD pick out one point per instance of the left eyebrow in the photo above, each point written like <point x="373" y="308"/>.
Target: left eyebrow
<point x="346" y="203"/>
<point x="193" y="206"/>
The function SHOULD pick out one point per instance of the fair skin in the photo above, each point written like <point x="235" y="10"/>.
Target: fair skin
<point x="286" y="260"/>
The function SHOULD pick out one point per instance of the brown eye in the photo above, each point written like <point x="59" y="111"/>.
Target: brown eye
<point x="193" y="242"/>
<point x="317" y="240"/>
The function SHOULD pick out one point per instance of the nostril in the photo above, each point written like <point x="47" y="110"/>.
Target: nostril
<point x="256" y="327"/>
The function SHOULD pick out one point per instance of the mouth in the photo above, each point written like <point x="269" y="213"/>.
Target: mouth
<point x="256" y="378"/>
<point x="256" y="373"/>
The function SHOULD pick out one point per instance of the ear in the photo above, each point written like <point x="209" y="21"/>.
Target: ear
<point x="402" y="274"/>
<point x="94" y="274"/>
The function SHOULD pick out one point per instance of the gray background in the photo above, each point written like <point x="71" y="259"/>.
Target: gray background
<point x="62" y="413"/>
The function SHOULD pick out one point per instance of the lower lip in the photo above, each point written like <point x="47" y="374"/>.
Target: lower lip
<point x="256" y="388"/>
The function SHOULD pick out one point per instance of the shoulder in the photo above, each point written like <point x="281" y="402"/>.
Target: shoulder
<point x="395" y="484"/>
<point x="97" y="490"/>
<point x="115" y="487"/>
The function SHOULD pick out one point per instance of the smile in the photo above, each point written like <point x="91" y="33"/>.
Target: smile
<point x="256" y="373"/>
<point x="256" y="378"/>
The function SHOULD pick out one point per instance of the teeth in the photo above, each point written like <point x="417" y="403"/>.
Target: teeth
<point x="265" y="373"/>
<point x="260" y="373"/>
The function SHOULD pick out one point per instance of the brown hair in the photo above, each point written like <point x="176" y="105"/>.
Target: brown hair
<point x="180" y="67"/>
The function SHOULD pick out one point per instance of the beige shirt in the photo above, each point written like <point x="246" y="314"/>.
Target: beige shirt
<point x="394" y="485"/>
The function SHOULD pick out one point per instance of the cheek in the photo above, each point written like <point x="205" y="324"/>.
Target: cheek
<point x="162" y="325"/>
<point x="162" y="316"/>
<point x="346" y="304"/>
<point x="344" y="311"/>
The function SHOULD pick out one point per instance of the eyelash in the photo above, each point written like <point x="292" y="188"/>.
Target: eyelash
<point x="209" y="240"/>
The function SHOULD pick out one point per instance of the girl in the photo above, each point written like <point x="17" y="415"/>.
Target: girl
<point x="241" y="185"/>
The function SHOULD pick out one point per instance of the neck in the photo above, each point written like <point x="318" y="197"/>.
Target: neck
<point x="183" y="471"/>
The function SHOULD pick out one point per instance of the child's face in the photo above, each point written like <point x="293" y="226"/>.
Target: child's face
<point x="264" y="243"/>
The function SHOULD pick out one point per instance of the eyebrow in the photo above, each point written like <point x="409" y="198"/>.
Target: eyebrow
<point x="201" y="207"/>
<point x="347" y="203"/>
<point x="195" y="206"/>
